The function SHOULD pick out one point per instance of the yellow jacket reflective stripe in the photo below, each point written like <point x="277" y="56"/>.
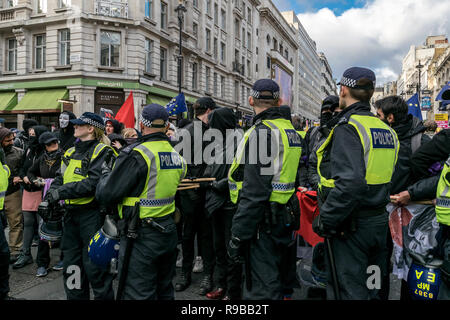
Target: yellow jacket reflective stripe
<point x="380" y="145"/>
<point x="166" y="168"/>
<point x="73" y="171"/>
<point x="443" y="196"/>
<point x="4" y="176"/>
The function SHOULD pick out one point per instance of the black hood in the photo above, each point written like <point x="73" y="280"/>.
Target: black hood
<point x="286" y="112"/>
<point x="409" y="127"/>
<point x="70" y="129"/>
<point x="118" y="126"/>
<point x="222" y="119"/>
<point x="27" y="124"/>
<point x="34" y="141"/>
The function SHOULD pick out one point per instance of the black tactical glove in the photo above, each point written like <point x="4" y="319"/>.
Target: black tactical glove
<point x="205" y="184"/>
<point x="52" y="196"/>
<point x="235" y="250"/>
<point x="108" y="164"/>
<point x="44" y="210"/>
<point x="321" y="230"/>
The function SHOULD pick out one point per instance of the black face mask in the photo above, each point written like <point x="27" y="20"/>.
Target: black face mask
<point x="387" y="122"/>
<point x="130" y="140"/>
<point x="8" y="148"/>
<point x="325" y="117"/>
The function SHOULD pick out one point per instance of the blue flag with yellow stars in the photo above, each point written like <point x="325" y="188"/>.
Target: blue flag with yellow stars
<point x="176" y="105"/>
<point x="414" y="106"/>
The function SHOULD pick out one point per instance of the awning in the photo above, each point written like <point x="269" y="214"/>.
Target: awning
<point x="163" y="101"/>
<point x="8" y="100"/>
<point x="445" y="88"/>
<point x="37" y="101"/>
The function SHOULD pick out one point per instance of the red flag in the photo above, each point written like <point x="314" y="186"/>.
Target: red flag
<point x="309" y="210"/>
<point x="126" y="112"/>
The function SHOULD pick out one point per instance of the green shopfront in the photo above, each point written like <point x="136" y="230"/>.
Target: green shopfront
<point x="44" y="100"/>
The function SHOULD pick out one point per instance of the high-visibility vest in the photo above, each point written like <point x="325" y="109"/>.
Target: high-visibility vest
<point x="4" y="176"/>
<point x="443" y="196"/>
<point x="302" y="134"/>
<point x="285" y="163"/>
<point x="380" y="144"/>
<point x="166" y="168"/>
<point x="73" y="171"/>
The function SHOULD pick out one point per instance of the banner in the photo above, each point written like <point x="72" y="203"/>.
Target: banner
<point x="441" y="120"/>
<point x="426" y="103"/>
<point x="413" y="229"/>
<point x="106" y="113"/>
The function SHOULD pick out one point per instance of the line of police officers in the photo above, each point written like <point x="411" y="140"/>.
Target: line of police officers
<point x="355" y="166"/>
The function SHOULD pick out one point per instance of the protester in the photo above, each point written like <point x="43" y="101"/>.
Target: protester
<point x="118" y="142"/>
<point x="46" y="167"/>
<point x="32" y="196"/>
<point x="66" y="131"/>
<point x="113" y="126"/>
<point x="22" y="139"/>
<point x="13" y="199"/>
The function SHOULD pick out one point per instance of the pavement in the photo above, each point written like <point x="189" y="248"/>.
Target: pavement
<point x="25" y="285"/>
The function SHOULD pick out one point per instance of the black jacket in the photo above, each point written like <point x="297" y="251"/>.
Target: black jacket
<point x="127" y="179"/>
<point x="14" y="159"/>
<point x="437" y="150"/>
<point x="46" y="166"/>
<point x="347" y="167"/>
<point x="406" y="130"/>
<point x="65" y="136"/>
<point x="220" y="119"/>
<point x="86" y="187"/>
<point x="256" y="187"/>
<point x="22" y="140"/>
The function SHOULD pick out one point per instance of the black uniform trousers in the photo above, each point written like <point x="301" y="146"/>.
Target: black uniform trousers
<point x="80" y="225"/>
<point x="229" y="273"/>
<point x="195" y="221"/>
<point x="151" y="267"/>
<point x="4" y="260"/>
<point x="269" y="260"/>
<point x="363" y="248"/>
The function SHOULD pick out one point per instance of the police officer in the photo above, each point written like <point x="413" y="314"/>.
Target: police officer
<point x="262" y="186"/>
<point x="4" y="249"/>
<point x="354" y="189"/>
<point x="75" y="183"/>
<point x="148" y="173"/>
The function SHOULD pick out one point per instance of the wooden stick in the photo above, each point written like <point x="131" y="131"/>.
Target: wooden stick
<point x="198" y="180"/>
<point x="417" y="202"/>
<point x="194" y="186"/>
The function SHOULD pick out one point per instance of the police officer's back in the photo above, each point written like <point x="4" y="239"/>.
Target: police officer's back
<point x="145" y="178"/>
<point x="354" y="189"/>
<point x="262" y="188"/>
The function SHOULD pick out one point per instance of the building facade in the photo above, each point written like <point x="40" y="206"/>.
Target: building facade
<point x="439" y="72"/>
<point x="329" y="86"/>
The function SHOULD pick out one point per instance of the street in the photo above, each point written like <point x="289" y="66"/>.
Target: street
<point x="25" y="285"/>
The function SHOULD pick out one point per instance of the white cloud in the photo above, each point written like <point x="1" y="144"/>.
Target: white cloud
<point x="378" y="35"/>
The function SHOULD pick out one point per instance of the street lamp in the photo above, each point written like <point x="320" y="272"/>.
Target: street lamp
<point x="419" y="66"/>
<point x="180" y="9"/>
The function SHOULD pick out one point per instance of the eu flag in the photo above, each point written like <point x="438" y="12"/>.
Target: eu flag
<point x="176" y="105"/>
<point x="414" y="106"/>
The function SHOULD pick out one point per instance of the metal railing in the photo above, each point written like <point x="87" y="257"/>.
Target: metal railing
<point x="114" y="9"/>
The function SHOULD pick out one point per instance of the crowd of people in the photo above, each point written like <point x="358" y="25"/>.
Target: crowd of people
<point x="239" y="225"/>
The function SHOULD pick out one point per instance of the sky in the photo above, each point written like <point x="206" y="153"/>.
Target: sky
<point x="376" y="34"/>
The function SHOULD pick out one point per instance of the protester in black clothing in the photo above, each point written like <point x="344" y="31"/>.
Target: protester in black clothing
<point x="221" y="209"/>
<point x="113" y="126"/>
<point x="45" y="167"/>
<point x="193" y="201"/>
<point x="32" y="196"/>
<point x="65" y="133"/>
<point x="22" y="139"/>
<point x="117" y="141"/>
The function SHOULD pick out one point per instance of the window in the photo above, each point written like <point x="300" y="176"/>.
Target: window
<point x="236" y="55"/>
<point x="249" y="41"/>
<point x="195" y="3"/>
<point x="215" y="48"/>
<point x="275" y="44"/>
<point x="222" y="52"/>
<point x="222" y="86"/>
<point x="194" y="76"/>
<point x="148" y="55"/>
<point x="243" y="95"/>
<point x="215" y="84"/>
<point x="64" y="47"/>
<point x="242" y="71"/>
<point x="216" y="14"/>
<point x="163" y="15"/>
<point x="248" y="68"/>
<point x="249" y="15"/>
<point x="195" y="29"/>
<point x="11" y="3"/>
<point x="223" y="15"/>
<point x="236" y="91"/>
<point x="149" y="9"/>
<point x="208" y="7"/>
<point x="243" y="37"/>
<point x="286" y="54"/>
<point x="207" y="79"/>
<point x="163" y="63"/>
<point x="208" y="40"/>
<point x="268" y="62"/>
<point x="39" y="51"/>
<point x="64" y="4"/>
<point x="41" y="6"/>
<point x="248" y="95"/>
<point x="236" y="28"/>
<point x="11" y="54"/>
<point x="110" y="49"/>
<point x="256" y="68"/>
